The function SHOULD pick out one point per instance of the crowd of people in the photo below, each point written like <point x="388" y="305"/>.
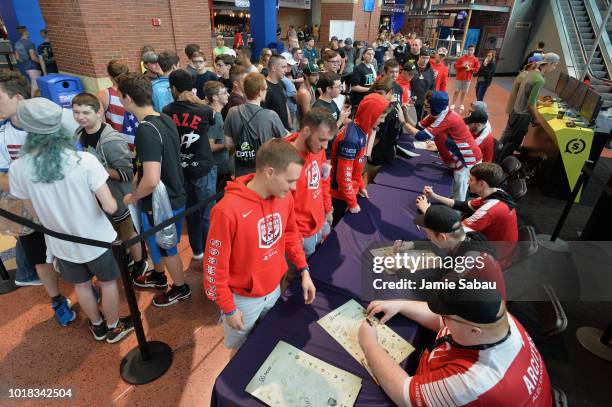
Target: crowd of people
<point x="293" y="142"/>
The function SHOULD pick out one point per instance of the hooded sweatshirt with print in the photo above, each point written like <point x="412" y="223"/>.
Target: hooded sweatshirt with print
<point x="312" y="199"/>
<point x="246" y="244"/>
<point x="348" y="150"/>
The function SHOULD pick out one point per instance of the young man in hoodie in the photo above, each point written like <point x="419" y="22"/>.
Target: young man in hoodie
<point x="199" y="170"/>
<point x="453" y="140"/>
<point x="440" y="69"/>
<point x="348" y="155"/>
<point x="111" y="149"/>
<point x="421" y="83"/>
<point x="466" y="67"/>
<point x="251" y="229"/>
<point x="313" y="207"/>
<point x="493" y="213"/>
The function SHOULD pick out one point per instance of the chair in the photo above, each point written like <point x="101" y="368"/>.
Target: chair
<point x="517" y="188"/>
<point x="511" y="166"/>
<point x="559" y="397"/>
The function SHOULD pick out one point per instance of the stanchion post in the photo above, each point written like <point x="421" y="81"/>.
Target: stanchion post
<point x="568" y="205"/>
<point x="150" y="359"/>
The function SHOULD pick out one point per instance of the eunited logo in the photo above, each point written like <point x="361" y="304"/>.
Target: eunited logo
<point x="313" y="174"/>
<point x="270" y="230"/>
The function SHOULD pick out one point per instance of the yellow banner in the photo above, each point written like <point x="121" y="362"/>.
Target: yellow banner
<point x="575" y="146"/>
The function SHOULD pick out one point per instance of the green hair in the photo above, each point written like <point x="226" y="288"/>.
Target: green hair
<point x="47" y="152"/>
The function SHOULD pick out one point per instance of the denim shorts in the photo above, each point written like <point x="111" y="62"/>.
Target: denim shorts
<point x="146" y="220"/>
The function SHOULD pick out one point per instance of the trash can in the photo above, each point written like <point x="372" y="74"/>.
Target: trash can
<point x="60" y="88"/>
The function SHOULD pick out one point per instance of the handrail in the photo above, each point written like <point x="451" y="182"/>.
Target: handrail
<point x="581" y="45"/>
<point x="596" y="17"/>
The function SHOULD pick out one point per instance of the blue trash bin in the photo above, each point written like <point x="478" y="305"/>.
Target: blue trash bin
<point x="60" y="88"/>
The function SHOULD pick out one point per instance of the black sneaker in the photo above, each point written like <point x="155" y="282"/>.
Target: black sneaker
<point x="123" y="328"/>
<point x="151" y="279"/>
<point x="130" y="259"/>
<point x="172" y="296"/>
<point x="139" y="269"/>
<point x="99" y="332"/>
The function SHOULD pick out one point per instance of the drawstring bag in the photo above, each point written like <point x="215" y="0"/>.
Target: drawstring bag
<point x="17" y="207"/>
<point x="167" y="237"/>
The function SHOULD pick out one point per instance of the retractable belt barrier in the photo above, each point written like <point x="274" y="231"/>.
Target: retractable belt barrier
<point x="150" y="359"/>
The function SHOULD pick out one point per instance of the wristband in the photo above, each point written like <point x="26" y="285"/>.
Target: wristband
<point x="229" y="314"/>
<point x="303" y="269"/>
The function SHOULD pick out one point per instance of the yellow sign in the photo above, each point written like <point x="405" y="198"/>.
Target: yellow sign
<point x="575" y="146"/>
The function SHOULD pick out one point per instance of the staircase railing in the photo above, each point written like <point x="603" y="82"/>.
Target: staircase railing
<point x="580" y="44"/>
<point x="603" y="41"/>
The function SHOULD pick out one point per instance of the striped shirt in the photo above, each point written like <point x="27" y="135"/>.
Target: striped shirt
<point x="455" y="143"/>
<point x="509" y="373"/>
<point x="115" y="112"/>
<point x="11" y="140"/>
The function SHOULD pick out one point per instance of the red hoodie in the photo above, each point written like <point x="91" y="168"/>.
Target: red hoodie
<point x="312" y="199"/>
<point x="441" y="74"/>
<point x="462" y="73"/>
<point x="234" y="263"/>
<point x="348" y="150"/>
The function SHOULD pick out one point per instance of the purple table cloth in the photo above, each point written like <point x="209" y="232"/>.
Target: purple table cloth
<point x="342" y="263"/>
<point x="292" y="321"/>
<point x="412" y="174"/>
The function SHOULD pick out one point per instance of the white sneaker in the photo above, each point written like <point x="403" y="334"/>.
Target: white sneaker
<point x="452" y="107"/>
<point x="197" y="257"/>
<point x="461" y="108"/>
<point x="28" y="283"/>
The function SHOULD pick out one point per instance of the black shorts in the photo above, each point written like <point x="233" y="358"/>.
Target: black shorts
<point x="104" y="268"/>
<point x="34" y="247"/>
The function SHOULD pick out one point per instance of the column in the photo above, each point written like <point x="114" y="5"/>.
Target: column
<point x="263" y="24"/>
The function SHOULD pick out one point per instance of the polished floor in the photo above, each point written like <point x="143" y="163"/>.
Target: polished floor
<point x="36" y="353"/>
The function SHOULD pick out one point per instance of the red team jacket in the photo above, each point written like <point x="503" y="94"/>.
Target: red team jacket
<point x="485" y="142"/>
<point x="453" y="139"/>
<point x="440" y="73"/>
<point x="462" y="73"/>
<point x="246" y="244"/>
<point x="312" y="198"/>
<point x="348" y="150"/>
<point x="511" y="373"/>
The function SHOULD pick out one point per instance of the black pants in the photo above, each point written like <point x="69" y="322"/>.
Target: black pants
<point x="512" y="138"/>
<point x="419" y="112"/>
<point x="222" y="180"/>
<point x="340" y="208"/>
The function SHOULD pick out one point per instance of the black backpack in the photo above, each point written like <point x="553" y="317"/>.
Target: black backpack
<point x="247" y="142"/>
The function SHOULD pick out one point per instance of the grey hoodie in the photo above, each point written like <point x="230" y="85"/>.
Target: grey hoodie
<point x="113" y="152"/>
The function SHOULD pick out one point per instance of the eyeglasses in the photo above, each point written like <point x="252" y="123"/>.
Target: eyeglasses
<point x="221" y="65"/>
<point x="197" y="61"/>
<point x="334" y="61"/>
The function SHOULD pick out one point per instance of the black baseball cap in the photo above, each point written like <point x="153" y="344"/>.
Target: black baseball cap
<point x="439" y="218"/>
<point x="424" y="53"/>
<point x="311" y="69"/>
<point x="410" y="68"/>
<point x="477" y="116"/>
<point x="334" y="38"/>
<point x="476" y="306"/>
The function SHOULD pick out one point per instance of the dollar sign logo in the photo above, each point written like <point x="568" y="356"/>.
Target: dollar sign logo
<point x="575" y="146"/>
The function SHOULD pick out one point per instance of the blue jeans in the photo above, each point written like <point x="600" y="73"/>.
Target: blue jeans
<point x="25" y="271"/>
<point x="198" y="190"/>
<point x="311" y="242"/>
<point x="481" y="89"/>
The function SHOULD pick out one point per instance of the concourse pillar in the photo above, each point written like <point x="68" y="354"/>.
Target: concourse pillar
<point x="263" y="24"/>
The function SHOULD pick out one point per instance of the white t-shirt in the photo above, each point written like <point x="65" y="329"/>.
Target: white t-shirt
<point x="11" y="140"/>
<point x="67" y="206"/>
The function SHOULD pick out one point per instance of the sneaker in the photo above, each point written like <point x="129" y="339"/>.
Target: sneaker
<point x="172" y="296"/>
<point x="137" y="272"/>
<point x="99" y="332"/>
<point x="26" y="283"/>
<point x="152" y="279"/>
<point x="452" y="107"/>
<point x="461" y="109"/>
<point x="63" y="314"/>
<point x="123" y="328"/>
<point x="197" y="257"/>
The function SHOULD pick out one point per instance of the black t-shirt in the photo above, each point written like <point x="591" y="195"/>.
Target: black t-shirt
<point x="227" y="83"/>
<point x="192" y="121"/>
<point x="200" y="81"/>
<point x="149" y="147"/>
<point x="276" y="100"/>
<point x="397" y="92"/>
<point x="421" y="83"/>
<point x="362" y="76"/>
<point x="400" y="54"/>
<point x="91" y="140"/>
<point x="46" y="52"/>
<point x="412" y="58"/>
<point x="331" y="107"/>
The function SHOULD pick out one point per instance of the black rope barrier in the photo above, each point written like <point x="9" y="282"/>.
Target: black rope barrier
<point x="150" y="359"/>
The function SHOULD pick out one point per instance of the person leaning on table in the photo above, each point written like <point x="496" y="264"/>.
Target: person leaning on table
<point x="482" y="356"/>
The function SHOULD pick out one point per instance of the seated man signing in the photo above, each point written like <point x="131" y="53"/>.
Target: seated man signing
<point x="493" y="213"/>
<point x="482" y="356"/>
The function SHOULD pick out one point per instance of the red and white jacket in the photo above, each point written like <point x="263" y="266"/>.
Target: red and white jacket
<point x="511" y="373"/>
<point x="485" y="142"/>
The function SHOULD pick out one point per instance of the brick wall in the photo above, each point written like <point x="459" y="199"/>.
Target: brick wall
<point x="86" y="34"/>
<point x="366" y="24"/>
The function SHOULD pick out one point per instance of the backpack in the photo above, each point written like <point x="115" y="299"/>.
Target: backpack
<point x="247" y="142"/>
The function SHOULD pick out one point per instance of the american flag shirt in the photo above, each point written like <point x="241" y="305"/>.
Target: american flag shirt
<point x="11" y="140"/>
<point x="130" y="125"/>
